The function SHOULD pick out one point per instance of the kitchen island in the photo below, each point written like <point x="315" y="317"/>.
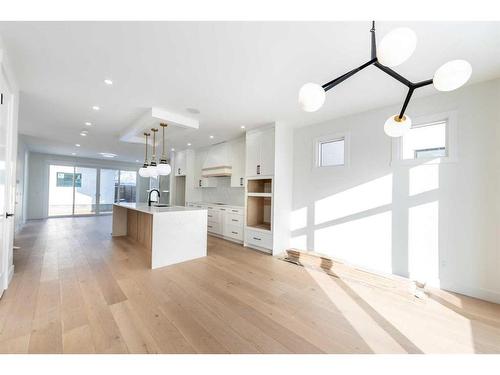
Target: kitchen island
<point x="168" y="235"/>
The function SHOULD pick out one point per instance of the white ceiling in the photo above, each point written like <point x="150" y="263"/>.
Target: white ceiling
<point x="235" y="73"/>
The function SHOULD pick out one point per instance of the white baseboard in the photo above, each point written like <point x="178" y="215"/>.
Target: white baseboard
<point x="481" y="293"/>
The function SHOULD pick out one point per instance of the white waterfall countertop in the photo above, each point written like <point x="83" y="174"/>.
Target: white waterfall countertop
<point x="143" y="207"/>
<point x="169" y="235"/>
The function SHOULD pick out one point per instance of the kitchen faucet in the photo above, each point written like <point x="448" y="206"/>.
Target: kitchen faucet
<point x="149" y="196"/>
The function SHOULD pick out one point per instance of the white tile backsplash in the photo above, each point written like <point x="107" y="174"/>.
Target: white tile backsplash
<point x="224" y="193"/>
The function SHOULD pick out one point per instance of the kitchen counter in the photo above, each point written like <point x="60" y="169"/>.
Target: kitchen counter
<point x="143" y="207"/>
<point x="168" y="235"/>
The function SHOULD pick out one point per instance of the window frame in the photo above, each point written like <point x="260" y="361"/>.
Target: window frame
<point x="451" y="140"/>
<point x="345" y="136"/>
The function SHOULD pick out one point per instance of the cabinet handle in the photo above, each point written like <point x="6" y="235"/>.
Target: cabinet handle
<point x="209" y="226"/>
<point x="210" y="208"/>
<point x="209" y="215"/>
<point x="234" y="220"/>
<point x="178" y="171"/>
<point x="223" y="209"/>
<point x="258" y="169"/>
<point x="234" y="210"/>
<point x="199" y="184"/>
<point x="255" y="238"/>
<point x="241" y="181"/>
<point x="234" y="232"/>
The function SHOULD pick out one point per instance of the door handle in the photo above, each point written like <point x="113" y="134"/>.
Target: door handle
<point x="7" y="215"/>
<point x="241" y="181"/>
<point x="258" y="169"/>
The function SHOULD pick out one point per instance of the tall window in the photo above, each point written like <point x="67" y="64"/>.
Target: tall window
<point x="425" y="141"/>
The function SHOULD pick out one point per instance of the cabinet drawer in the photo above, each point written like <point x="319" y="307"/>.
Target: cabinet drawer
<point x="258" y="238"/>
<point x="233" y="231"/>
<point x="214" y="216"/>
<point x="234" y="219"/>
<point x="214" y="227"/>
<point x="237" y="211"/>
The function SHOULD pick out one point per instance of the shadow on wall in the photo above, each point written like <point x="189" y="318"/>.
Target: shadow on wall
<point x="378" y="227"/>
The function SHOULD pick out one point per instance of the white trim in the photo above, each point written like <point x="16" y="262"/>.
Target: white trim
<point x="451" y="119"/>
<point x="346" y="136"/>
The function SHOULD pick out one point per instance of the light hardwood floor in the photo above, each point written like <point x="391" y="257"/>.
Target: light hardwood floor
<point x="77" y="290"/>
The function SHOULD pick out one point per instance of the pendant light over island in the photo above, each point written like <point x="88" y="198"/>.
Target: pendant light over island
<point x="152" y="169"/>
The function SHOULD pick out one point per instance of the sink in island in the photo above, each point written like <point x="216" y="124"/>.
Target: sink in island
<point x="168" y="235"/>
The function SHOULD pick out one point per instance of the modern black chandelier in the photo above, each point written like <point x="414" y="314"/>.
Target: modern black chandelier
<point x="395" y="48"/>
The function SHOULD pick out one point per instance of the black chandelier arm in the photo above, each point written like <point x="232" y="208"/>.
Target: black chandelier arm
<point x="329" y="85"/>
<point x="394" y="74"/>
<point x="374" y="42"/>
<point x="422" y="83"/>
<point x="407" y="100"/>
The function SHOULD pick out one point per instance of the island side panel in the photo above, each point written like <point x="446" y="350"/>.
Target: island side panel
<point x="119" y="227"/>
<point x="178" y="237"/>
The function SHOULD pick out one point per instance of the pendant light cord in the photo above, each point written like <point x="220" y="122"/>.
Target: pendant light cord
<point x="163" y="156"/>
<point x="153" y="156"/>
<point x="146" y="135"/>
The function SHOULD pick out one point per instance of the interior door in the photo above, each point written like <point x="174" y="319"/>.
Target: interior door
<point x="5" y="133"/>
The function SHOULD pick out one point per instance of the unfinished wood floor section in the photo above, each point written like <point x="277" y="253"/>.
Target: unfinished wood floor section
<point x="77" y="290"/>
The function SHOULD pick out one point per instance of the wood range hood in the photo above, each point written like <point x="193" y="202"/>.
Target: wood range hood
<point x="217" y="163"/>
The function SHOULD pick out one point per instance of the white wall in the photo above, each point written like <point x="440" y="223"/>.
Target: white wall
<point x="38" y="179"/>
<point x="368" y="214"/>
<point x="21" y="179"/>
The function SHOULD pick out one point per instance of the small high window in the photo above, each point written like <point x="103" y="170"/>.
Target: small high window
<point x="331" y="152"/>
<point x="425" y="141"/>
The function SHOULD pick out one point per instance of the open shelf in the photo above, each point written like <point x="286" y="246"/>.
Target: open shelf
<point x="259" y="212"/>
<point x="268" y="195"/>
<point x="264" y="185"/>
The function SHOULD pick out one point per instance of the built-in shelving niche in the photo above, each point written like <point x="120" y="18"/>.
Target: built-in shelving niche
<point x="259" y="203"/>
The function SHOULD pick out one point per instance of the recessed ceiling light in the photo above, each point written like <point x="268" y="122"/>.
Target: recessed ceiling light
<point x="107" y="154"/>
<point x="137" y="161"/>
<point x="173" y="149"/>
<point x="242" y="126"/>
<point x="211" y="137"/>
<point x="189" y="144"/>
<point x="84" y="133"/>
<point x="95" y="107"/>
<point x="73" y="153"/>
<point x="108" y="82"/>
<point x="77" y="144"/>
<point x="88" y="123"/>
<point x="194" y="111"/>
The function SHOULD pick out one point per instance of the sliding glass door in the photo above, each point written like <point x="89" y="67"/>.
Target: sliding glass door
<point x="61" y="190"/>
<point x="76" y="190"/>
<point x="85" y="191"/>
<point x="108" y="189"/>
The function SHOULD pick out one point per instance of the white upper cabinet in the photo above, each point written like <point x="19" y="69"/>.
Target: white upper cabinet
<point x="260" y="152"/>
<point x="180" y="163"/>
<point x="238" y="162"/>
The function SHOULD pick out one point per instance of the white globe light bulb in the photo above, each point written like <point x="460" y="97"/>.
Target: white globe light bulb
<point x="153" y="171"/>
<point x="396" y="127"/>
<point x="143" y="172"/>
<point x="164" y="169"/>
<point x="311" y="97"/>
<point x="452" y="75"/>
<point x="396" y="47"/>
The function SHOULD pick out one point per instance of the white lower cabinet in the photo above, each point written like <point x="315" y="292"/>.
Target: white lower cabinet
<point x="260" y="239"/>
<point x="224" y="221"/>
